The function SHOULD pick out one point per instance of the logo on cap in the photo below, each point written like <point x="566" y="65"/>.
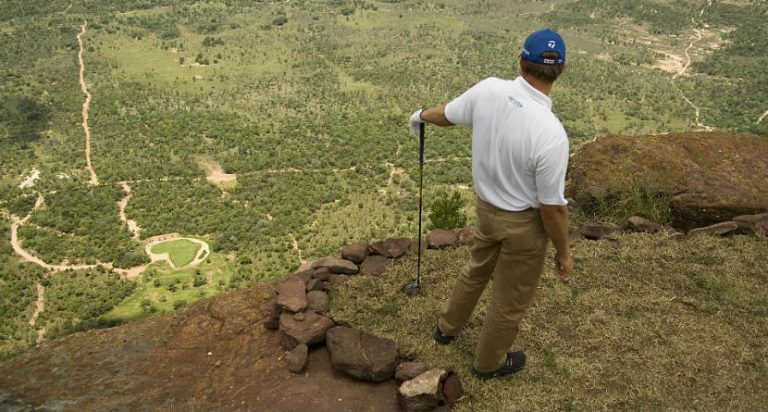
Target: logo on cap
<point x="551" y="44"/>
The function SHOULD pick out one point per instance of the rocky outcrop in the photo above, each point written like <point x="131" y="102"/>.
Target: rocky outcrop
<point x="362" y="355"/>
<point x="336" y="265"/>
<point x="356" y="252"/>
<point x="705" y="178"/>
<point x="308" y="328"/>
<point x="292" y="294"/>
<point x="390" y="248"/>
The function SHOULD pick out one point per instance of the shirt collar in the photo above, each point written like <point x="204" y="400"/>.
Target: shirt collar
<point x="534" y="94"/>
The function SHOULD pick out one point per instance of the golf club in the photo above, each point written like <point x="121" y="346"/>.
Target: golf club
<point x="414" y="287"/>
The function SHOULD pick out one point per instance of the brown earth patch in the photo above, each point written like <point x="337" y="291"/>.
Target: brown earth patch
<point x="215" y="174"/>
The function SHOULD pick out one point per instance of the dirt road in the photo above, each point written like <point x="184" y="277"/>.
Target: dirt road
<point x="133" y="227"/>
<point x="86" y="104"/>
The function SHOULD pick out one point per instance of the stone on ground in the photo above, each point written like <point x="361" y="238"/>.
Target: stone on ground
<point x="309" y="330"/>
<point x="718" y="229"/>
<point x="356" y="252"/>
<point x="374" y="265"/>
<point x="452" y="389"/>
<point x="297" y="358"/>
<point x="595" y="231"/>
<point x="318" y="301"/>
<point x="362" y="355"/>
<point x="442" y="239"/>
<point x="336" y="265"/>
<point x="466" y="235"/>
<point x="391" y="248"/>
<point x="272" y="311"/>
<point x="424" y="392"/>
<point x="705" y="178"/>
<point x="292" y="294"/>
<point x="316" y="284"/>
<point x="641" y="224"/>
<point x="322" y="273"/>
<point x="409" y="370"/>
<point x="753" y="224"/>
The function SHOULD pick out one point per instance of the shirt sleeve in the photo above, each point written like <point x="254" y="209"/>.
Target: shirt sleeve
<point x="551" y="166"/>
<point x="459" y="110"/>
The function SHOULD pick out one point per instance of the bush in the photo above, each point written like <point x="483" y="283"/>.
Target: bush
<point x="446" y="212"/>
<point x="279" y="20"/>
<point x="179" y="303"/>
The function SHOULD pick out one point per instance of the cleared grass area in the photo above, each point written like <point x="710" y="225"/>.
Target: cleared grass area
<point x="647" y="322"/>
<point x="181" y="251"/>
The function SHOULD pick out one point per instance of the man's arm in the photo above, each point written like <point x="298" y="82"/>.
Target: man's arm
<point x="436" y="115"/>
<point x="555" y="219"/>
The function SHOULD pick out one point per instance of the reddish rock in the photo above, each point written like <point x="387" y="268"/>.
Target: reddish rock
<point x="374" y="265"/>
<point x="315" y="284"/>
<point x="466" y="235"/>
<point x="391" y="248"/>
<point x="309" y="331"/>
<point x="753" y="224"/>
<point x="594" y="231"/>
<point x="292" y="294"/>
<point x="362" y="355"/>
<point x="336" y="265"/>
<point x="719" y="229"/>
<point x="272" y="312"/>
<point x="409" y="370"/>
<point x="322" y="273"/>
<point x="641" y="224"/>
<point x="304" y="275"/>
<point x="452" y="389"/>
<point x="414" y="246"/>
<point x="356" y="252"/>
<point x="705" y="178"/>
<point x="318" y="301"/>
<point x="442" y="239"/>
<point x="297" y="358"/>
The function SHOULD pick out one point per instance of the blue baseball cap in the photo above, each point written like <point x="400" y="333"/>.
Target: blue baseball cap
<point x="542" y="41"/>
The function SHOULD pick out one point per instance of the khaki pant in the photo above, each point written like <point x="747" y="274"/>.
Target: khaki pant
<point x="511" y="247"/>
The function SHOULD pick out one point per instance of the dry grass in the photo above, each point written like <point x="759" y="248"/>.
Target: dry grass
<point x="646" y="323"/>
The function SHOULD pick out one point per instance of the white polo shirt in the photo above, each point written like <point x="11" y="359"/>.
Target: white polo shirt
<point x="519" y="147"/>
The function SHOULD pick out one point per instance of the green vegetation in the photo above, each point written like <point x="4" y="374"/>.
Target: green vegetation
<point x="446" y="212"/>
<point x="306" y="102"/>
<point x="180" y="251"/>
<point x="646" y="321"/>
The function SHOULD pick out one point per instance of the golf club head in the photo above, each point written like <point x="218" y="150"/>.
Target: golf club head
<point x="412" y="288"/>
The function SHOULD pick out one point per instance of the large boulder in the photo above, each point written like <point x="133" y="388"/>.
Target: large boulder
<point x="308" y="328"/>
<point x="336" y="265"/>
<point x="595" y="230"/>
<point x="356" y="252"/>
<point x="753" y="224"/>
<point x="374" y="265"/>
<point x="705" y="178"/>
<point x="362" y="355"/>
<point x="391" y="248"/>
<point x="292" y="294"/>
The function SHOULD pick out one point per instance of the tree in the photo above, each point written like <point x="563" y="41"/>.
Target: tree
<point x="446" y="212"/>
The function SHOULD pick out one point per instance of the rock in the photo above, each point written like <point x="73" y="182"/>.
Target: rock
<point x="362" y="355"/>
<point x="409" y="370"/>
<point x="336" y="265"/>
<point x="753" y="224"/>
<point x="356" y="252"/>
<point x="594" y="231"/>
<point x="318" y="301"/>
<point x="391" y="248"/>
<point x="703" y="178"/>
<point x="414" y="246"/>
<point x="309" y="331"/>
<point x="452" y="389"/>
<point x="292" y="294"/>
<point x="641" y="224"/>
<point x="466" y="235"/>
<point x="272" y="311"/>
<point x="315" y="284"/>
<point x="442" y="239"/>
<point x="374" y="265"/>
<point x="718" y="229"/>
<point x="424" y="392"/>
<point x="337" y="280"/>
<point x="322" y="273"/>
<point x="297" y="358"/>
<point x="305" y="275"/>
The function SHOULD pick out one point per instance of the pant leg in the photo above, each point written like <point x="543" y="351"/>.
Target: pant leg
<point x="516" y="277"/>
<point x="470" y="284"/>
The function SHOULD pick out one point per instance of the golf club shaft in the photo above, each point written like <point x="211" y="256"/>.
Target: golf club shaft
<point x="421" y="187"/>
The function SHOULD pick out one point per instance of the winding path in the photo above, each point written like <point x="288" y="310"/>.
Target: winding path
<point x="762" y="117"/>
<point x="39" y="308"/>
<point x="86" y="104"/>
<point x="133" y="227"/>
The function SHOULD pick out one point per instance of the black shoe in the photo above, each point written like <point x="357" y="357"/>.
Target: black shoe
<point x="442" y="339"/>
<point x="515" y="363"/>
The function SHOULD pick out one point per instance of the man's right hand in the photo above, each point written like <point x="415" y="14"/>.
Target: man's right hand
<point x="416" y="122"/>
<point x="563" y="266"/>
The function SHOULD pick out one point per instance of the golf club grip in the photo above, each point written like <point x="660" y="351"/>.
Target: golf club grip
<point x="421" y="143"/>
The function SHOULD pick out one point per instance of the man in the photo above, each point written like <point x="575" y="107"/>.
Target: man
<point x="519" y="160"/>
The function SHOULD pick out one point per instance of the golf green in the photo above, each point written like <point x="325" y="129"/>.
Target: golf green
<point x="180" y="251"/>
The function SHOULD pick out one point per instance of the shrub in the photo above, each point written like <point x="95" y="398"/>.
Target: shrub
<point x="446" y="212"/>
